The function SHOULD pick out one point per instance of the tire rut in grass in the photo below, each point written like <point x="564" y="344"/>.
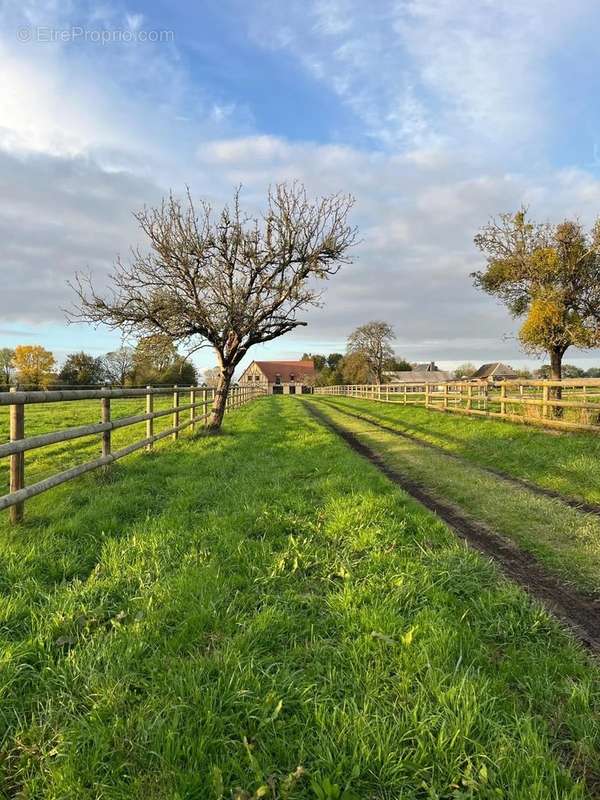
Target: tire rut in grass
<point x="580" y="612"/>
<point x="578" y="505"/>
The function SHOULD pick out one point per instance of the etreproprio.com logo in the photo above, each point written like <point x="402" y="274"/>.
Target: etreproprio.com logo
<point x="76" y="33"/>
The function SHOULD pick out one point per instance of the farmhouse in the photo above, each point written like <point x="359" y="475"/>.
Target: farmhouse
<point x="281" y="377"/>
<point x="496" y="371"/>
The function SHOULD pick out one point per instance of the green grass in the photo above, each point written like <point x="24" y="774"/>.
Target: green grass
<point x="262" y="614"/>
<point x="44" y="418"/>
<point x="561" y="537"/>
<point x="563" y="461"/>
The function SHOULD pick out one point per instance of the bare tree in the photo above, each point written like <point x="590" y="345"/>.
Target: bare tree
<point x="211" y="376"/>
<point x="226" y="280"/>
<point x="373" y="341"/>
<point x="118" y="365"/>
<point x="466" y="370"/>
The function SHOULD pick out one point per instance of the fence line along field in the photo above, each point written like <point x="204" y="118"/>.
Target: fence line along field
<point x="118" y="429"/>
<point x="568" y="404"/>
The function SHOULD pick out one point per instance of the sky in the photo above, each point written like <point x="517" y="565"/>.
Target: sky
<point x="435" y="114"/>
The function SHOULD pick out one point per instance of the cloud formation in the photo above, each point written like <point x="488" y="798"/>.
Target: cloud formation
<point x="452" y="121"/>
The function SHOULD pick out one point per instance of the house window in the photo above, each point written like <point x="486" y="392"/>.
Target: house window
<point x="249" y="378"/>
<point x="292" y="377"/>
<point x="257" y="377"/>
<point x="277" y="379"/>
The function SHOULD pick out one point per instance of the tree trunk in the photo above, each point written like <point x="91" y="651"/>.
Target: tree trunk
<point x="555" y="365"/>
<point x="556" y="357"/>
<point x="218" y="408"/>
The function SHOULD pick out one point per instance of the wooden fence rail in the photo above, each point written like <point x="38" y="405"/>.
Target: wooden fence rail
<point x="199" y="398"/>
<point x="570" y="404"/>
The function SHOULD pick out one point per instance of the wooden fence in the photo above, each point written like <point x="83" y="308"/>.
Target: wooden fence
<point x="569" y="404"/>
<point x="15" y="449"/>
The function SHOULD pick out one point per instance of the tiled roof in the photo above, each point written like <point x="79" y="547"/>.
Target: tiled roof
<point x="495" y="368"/>
<point x="285" y="369"/>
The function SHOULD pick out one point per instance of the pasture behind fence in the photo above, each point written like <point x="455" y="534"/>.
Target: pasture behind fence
<point x="183" y="415"/>
<point x="570" y="404"/>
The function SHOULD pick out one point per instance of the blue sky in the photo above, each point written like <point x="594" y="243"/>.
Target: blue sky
<point x="436" y="114"/>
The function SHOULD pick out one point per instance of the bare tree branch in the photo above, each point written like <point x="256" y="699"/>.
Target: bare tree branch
<point x="224" y="279"/>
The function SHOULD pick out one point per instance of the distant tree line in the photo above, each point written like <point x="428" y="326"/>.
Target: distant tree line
<point x="369" y="356"/>
<point x="153" y="360"/>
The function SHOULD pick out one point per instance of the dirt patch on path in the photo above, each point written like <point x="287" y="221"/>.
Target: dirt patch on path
<point x="578" y="611"/>
<point x="579" y="505"/>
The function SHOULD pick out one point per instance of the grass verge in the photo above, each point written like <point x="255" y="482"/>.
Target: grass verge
<point x="262" y="614"/>
<point x="565" y="462"/>
<point x="565" y="540"/>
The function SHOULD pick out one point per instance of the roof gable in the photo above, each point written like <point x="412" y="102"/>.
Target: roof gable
<point x="300" y="370"/>
<point x="494" y="369"/>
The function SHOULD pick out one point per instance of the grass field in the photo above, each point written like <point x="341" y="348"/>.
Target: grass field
<point x="262" y="614"/>
<point x="565" y="462"/>
<point x="44" y="418"/>
<point x="564" y="539"/>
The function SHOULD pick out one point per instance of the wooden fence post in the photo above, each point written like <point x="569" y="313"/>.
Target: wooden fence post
<point x="426" y="395"/>
<point x="175" y="434"/>
<point x="105" y="417"/>
<point x="503" y="398"/>
<point x="205" y="405"/>
<point x="470" y="397"/>
<point x="17" y="460"/>
<point x="192" y="409"/>
<point x="545" y="398"/>
<point x="445" y="395"/>
<point x="149" y="422"/>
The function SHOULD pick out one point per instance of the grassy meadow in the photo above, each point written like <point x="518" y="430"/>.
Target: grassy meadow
<point x="566" y="462"/>
<point x="564" y="539"/>
<point x="46" y="417"/>
<point x="263" y="614"/>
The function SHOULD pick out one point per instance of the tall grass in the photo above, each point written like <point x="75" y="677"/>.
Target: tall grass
<point x="262" y="614"/>
<point x="563" y="461"/>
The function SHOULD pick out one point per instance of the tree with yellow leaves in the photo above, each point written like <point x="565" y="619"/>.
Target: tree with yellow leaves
<point x="34" y="364"/>
<point x="549" y="275"/>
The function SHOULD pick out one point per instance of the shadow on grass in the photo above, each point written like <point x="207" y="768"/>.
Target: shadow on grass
<point x="567" y="462"/>
<point x="284" y="606"/>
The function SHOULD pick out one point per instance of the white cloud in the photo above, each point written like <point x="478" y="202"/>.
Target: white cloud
<point x="89" y="135"/>
<point x="422" y="73"/>
<point x="412" y="266"/>
<point x="244" y="150"/>
<point x="134" y="21"/>
<point x="129" y="102"/>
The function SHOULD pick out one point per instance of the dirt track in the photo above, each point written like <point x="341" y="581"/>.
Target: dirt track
<point x="580" y="505"/>
<point x="577" y="610"/>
